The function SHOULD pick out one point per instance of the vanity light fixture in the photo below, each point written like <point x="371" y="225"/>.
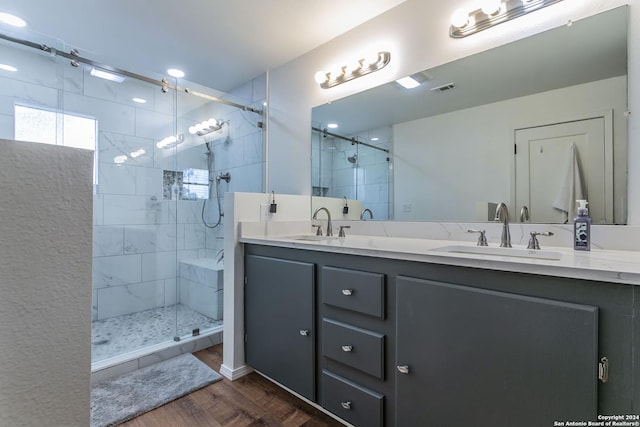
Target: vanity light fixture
<point x="492" y="12"/>
<point x="137" y="153"/>
<point x="170" y="141"/>
<point x="206" y="127"/>
<point x="360" y="67"/>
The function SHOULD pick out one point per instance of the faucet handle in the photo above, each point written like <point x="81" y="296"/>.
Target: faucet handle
<point x="482" y="238"/>
<point x="533" y="241"/>
<point x="341" y="233"/>
<point x="319" y="227"/>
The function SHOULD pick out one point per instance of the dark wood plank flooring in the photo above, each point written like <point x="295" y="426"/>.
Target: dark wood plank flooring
<point x="249" y="401"/>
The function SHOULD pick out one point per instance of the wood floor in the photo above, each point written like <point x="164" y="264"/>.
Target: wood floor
<point x="249" y="401"/>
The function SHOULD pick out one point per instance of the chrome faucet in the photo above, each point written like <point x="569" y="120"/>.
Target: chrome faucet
<point x="502" y="214"/>
<point x="315" y="216"/>
<point x="364" y="212"/>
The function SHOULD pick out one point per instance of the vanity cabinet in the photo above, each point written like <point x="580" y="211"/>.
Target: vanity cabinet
<point x="402" y="343"/>
<point x="470" y="356"/>
<point x="280" y="321"/>
<point x="353" y="344"/>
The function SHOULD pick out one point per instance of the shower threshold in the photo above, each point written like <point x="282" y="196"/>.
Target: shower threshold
<point x="127" y="337"/>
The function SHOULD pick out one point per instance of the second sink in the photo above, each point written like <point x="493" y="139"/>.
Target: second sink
<point x="496" y="251"/>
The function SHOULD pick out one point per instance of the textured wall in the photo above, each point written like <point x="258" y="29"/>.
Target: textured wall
<point x="45" y="284"/>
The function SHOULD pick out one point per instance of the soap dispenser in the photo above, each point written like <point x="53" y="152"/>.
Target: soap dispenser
<point x="582" y="228"/>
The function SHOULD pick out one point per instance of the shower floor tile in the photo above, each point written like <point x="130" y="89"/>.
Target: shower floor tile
<point x="123" y="334"/>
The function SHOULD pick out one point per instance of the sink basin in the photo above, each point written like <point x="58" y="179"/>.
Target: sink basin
<point x="506" y="252"/>
<point x="313" y="238"/>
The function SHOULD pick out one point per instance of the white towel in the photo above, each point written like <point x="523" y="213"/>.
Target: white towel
<point x="571" y="188"/>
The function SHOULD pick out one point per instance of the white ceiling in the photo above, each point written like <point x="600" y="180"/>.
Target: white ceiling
<point x="218" y="43"/>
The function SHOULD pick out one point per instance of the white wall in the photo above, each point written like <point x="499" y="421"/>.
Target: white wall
<point x="481" y="146"/>
<point x="416" y="33"/>
<point x="45" y="284"/>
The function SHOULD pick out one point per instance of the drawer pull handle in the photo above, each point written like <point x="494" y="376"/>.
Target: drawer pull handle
<point x="304" y="332"/>
<point x="347" y="348"/>
<point x="347" y="292"/>
<point x="403" y="369"/>
<point x="346" y="405"/>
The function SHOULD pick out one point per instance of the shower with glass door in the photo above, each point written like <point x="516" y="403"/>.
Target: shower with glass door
<point x="158" y="188"/>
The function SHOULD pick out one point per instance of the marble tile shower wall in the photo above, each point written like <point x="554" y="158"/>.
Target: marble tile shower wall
<point x="138" y="236"/>
<point x="369" y="179"/>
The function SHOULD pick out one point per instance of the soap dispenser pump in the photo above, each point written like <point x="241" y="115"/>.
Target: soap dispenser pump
<point x="582" y="228"/>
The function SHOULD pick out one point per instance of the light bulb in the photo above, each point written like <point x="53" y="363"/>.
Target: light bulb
<point x="370" y="59"/>
<point x="198" y="127"/>
<point x="491" y="7"/>
<point x="212" y="123"/>
<point x="192" y="130"/>
<point x="460" y="18"/>
<point x="320" y="77"/>
<point x="353" y="67"/>
<point x="336" y="72"/>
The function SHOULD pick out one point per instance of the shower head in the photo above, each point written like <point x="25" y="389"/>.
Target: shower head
<point x="353" y="159"/>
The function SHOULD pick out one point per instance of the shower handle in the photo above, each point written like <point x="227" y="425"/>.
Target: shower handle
<point x="224" y="176"/>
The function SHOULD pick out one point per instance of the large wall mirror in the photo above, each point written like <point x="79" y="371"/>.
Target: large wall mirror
<point x="536" y="124"/>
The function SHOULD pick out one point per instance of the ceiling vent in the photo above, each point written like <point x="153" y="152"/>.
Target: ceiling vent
<point x="443" y="87"/>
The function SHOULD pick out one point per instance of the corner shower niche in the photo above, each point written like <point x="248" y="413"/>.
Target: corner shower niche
<point x="156" y="270"/>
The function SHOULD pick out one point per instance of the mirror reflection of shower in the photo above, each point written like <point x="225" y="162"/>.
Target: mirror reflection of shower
<point x="353" y="159"/>
<point x="222" y="177"/>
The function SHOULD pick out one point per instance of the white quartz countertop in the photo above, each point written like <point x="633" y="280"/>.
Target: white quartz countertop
<point x="598" y="264"/>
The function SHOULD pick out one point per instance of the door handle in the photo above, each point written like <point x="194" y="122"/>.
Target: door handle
<point x="403" y="369"/>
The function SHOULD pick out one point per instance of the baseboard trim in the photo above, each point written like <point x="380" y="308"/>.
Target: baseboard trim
<point x="234" y="374"/>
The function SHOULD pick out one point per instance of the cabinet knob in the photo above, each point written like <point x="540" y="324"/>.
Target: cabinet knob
<point x="304" y="332"/>
<point x="403" y="369"/>
<point x="347" y="348"/>
<point x="346" y="405"/>
<point x="347" y="292"/>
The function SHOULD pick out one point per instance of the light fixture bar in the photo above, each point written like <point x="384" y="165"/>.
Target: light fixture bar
<point x="509" y="9"/>
<point x="345" y="74"/>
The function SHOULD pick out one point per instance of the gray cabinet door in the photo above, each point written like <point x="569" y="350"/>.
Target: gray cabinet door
<point x="279" y="321"/>
<point x="484" y="358"/>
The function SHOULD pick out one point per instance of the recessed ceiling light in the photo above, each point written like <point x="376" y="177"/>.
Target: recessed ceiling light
<point x="408" y="82"/>
<point x="8" y="68"/>
<point x="174" y="72"/>
<point x="332" y="125"/>
<point x="139" y="100"/>
<point x="375" y="138"/>
<point x="107" y="76"/>
<point x="13" y="20"/>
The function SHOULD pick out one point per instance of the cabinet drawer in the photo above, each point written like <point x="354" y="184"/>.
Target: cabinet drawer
<point x="359" y="291"/>
<point x="359" y="406"/>
<point x="358" y="348"/>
